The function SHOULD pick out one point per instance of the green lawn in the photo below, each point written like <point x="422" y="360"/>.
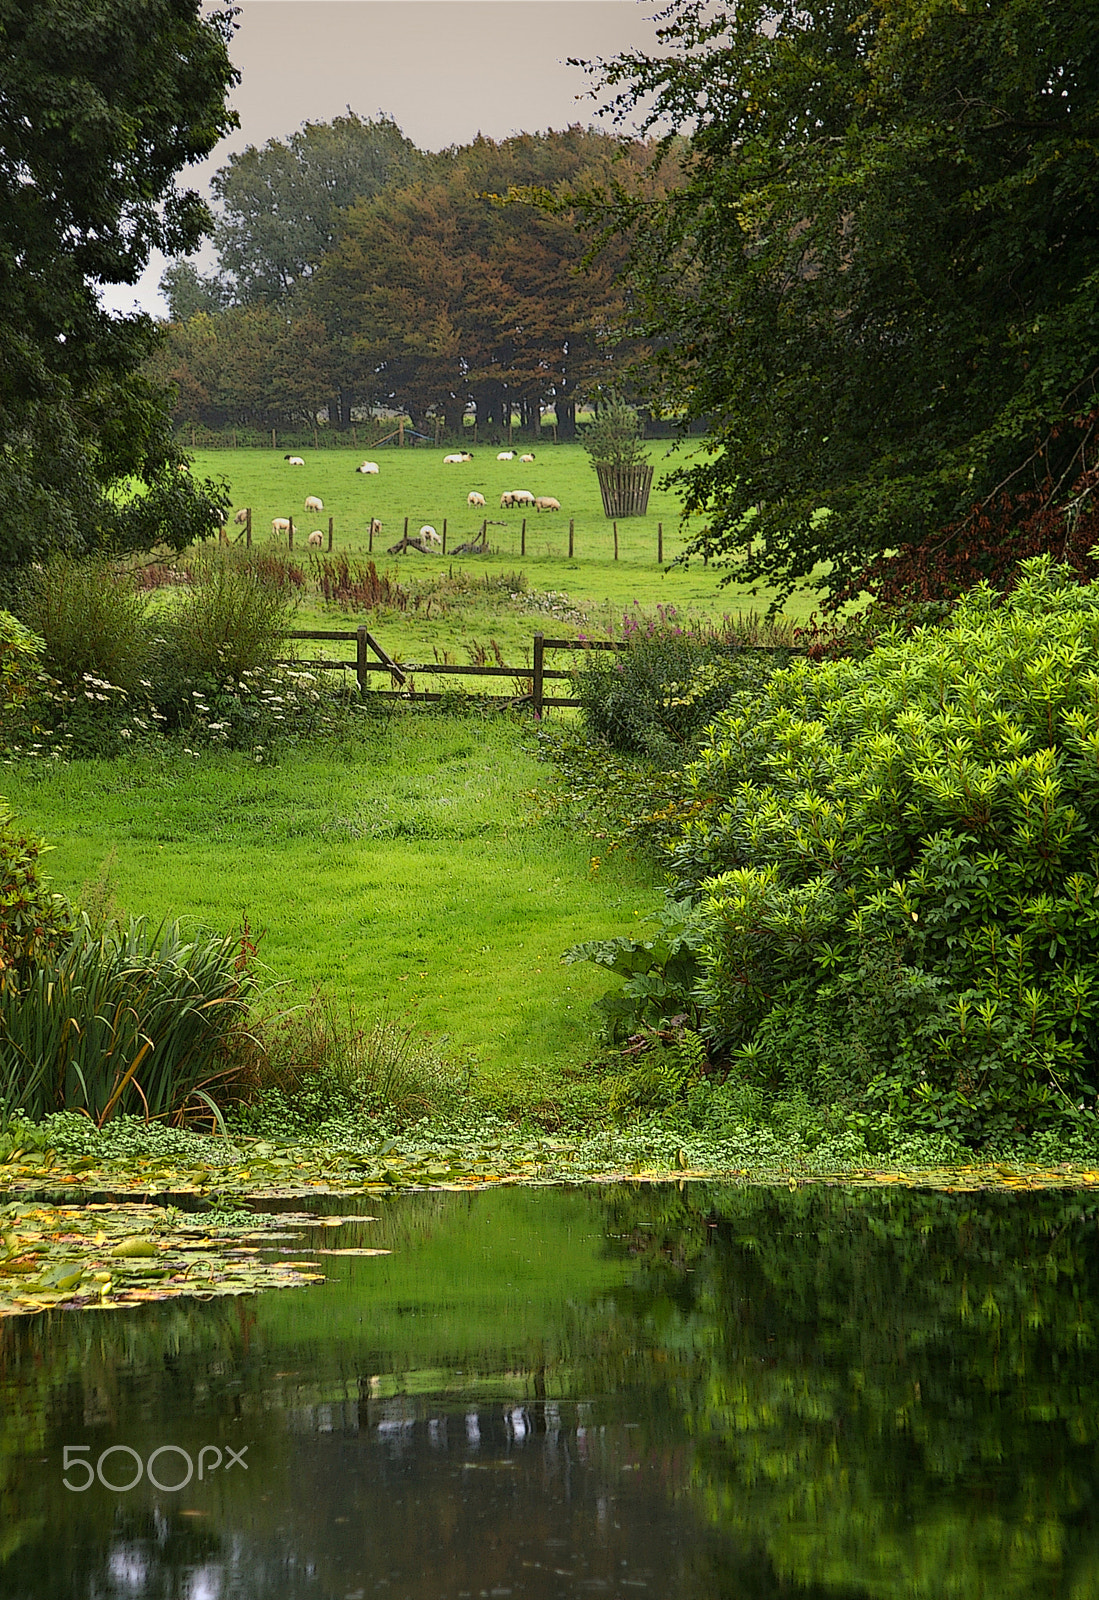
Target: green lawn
<point x="401" y="874"/>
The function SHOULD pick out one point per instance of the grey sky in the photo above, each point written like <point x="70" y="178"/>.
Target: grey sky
<point x="443" y="69"/>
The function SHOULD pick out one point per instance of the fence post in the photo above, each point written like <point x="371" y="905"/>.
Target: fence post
<point x="660" y="544"/>
<point x="539" y="644"/>
<point x="570" y="537"/>
<point x="523" y="539"/>
<point x="444" y="536"/>
<point x="274" y="446"/>
<point x="248" y="530"/>
<point x="362" y="664"/>
<point x="484" y="532"/>
<point x="616" y="541"/>
<point x="406" y="527"/>
<point x="291" y="533"/>
<point x="330" y="532"/>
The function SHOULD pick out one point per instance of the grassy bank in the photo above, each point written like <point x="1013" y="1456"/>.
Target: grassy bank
<point x="398" y="870"/>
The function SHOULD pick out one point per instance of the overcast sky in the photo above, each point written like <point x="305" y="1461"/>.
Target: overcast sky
<point x="444" y="70"/>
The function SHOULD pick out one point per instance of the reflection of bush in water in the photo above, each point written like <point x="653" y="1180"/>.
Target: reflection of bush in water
<point x="892" y="1394"/>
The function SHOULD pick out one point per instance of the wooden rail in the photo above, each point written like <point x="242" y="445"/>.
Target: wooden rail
<point x="371" y="657"/>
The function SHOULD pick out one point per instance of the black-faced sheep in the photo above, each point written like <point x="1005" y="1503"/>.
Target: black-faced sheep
<point x="526" y="458"/>
<point x="368" y="466"/>
<point x="295" y="461"/>
<point x="506" y="455"/>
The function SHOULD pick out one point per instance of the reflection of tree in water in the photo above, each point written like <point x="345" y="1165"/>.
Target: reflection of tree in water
<point x="890" y="1394"/>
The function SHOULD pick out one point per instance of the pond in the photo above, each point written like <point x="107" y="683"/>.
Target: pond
<point x="691" y="1392"/>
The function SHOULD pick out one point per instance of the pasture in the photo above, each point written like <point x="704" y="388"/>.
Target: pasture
<point x="415" y="483"/>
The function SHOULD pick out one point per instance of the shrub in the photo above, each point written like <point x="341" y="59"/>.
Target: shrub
<point x="901" y="864"/>
<point x="660" y="692"/>
<point x="228" y="624"/>
<point x="91" y="619"/>
<point x="35" y="923"/>
<point x="20" y="668"/>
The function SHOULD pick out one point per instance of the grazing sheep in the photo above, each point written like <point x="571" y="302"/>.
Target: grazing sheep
<point x="508" y="498"/>
<point x="522" y="497"/>
<point x="428" y="535"/>
<point x="474" y="499"/>
<point x="526" y="458"/>
<point x="506" y="455"/>
<point x="368" y="466"/>
<point x="313" y="504"/>
<point x="280" y="525"/>
<point x="546" y="502"/>
<point x="295" y="461"/>
<point x="375" y="525"/>
<point x="241" y="516"/>
<point x="316" y="539"/>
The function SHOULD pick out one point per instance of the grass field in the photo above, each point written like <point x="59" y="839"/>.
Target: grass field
<point x="398" y="871"/>
<point x="414" y="483"/>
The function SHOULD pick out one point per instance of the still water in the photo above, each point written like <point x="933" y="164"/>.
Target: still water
<point x="696" y="1393"/>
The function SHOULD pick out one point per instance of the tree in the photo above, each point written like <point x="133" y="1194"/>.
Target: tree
<point x="101" y="105"/>
<point x="281" y="205"/>
<point x="879" y="278"/>
<point x="451" y="290"/>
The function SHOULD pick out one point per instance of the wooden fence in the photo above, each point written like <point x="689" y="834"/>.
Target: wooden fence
<point x="529" y="681"/>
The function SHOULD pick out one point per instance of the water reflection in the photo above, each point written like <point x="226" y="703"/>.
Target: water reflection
<point x="689" y="1393"/>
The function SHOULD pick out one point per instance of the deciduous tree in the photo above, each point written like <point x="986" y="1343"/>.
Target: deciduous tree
<point x="101" y="105"/>
<point x="880" y="277"/>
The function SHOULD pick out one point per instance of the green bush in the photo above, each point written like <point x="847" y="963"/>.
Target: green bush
<point x="900" y="868"/>
<point x="657" y="695"/>
<point x="226" y="627"/>
<point x="91" y="619"/>
<point x="35" y="923"/>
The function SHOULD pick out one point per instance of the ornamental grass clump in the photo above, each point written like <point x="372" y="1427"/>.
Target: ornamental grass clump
<point x="126" y="1020"/>
<point x="899" y="870"/>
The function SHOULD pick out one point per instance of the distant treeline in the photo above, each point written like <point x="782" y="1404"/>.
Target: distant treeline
<point x="357" y="272"/>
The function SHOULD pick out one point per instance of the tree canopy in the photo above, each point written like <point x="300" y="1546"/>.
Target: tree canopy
<point x="101" y="105"/>
<point x="432" y="287"/>
<point x="879" y="279"/>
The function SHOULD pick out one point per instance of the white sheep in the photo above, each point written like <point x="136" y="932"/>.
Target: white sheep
<point x="506" y="455"/>
<point x="546" y="502"/>
<point x="313" y="504"/>
<point x="316" y="539"/>
<point x="526" y="458"/>
<point x="458" y="459"/>
<point x="522" y="497"/>
<point x="241" y="517"/>
<point x="474" y="499"/>
<point x="508" y="498"/>
<point x="427" y="534"/>
<point x="295" y="461"/>
<point x="375" y="525"/>
<point x="368" y="466"/>
<point x="280" y="525"/>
